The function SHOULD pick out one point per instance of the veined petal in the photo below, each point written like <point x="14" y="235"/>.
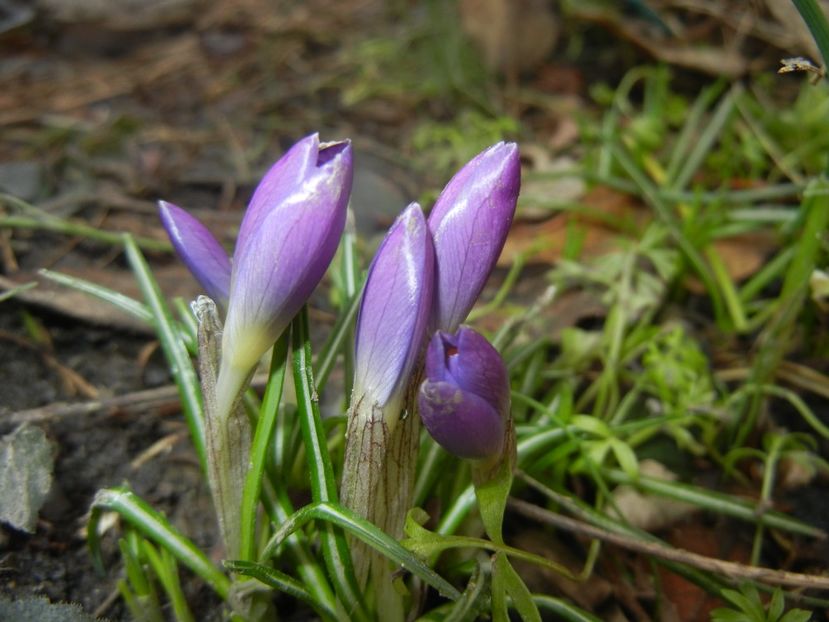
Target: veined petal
<point x="280" y="181"/>
<point x="469" y="225"/>
<point x="476" y="366"/>
<point x="199" y="250"/>
<point x="278" y="265"/>
<point x="395" y="309"/>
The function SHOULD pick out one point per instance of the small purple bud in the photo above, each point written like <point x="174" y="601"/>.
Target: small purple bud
<point x="395" y="309"/>
<point x="199" y="250"/>
<point x="464" y="400"/>
<point x="287" y="239"/>
<point x="469" y="224"/>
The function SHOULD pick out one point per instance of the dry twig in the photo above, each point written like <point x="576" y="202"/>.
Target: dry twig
<point x="731" y="570"/>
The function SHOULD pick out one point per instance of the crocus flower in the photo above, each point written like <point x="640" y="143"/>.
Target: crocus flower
<point x="381" y="445"/>
<point x="286" y="241"/>
<point x="469" y="224"/>
<point x="464" y="400"/>
<point x="395" y="310"/>
<point x="287" y="238"/>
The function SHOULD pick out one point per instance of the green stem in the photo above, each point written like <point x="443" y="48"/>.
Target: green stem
<point x="259" y="450"/>
<point x="323" y="484"/>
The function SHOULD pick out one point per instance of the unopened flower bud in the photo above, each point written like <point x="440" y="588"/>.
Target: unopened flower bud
<point x="469" y="224"/>
<point x="464" y="399"/>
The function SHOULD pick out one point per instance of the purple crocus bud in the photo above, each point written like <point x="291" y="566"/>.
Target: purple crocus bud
<point x="287" y="239"/>
<point x="469" y="225"/>
<point x="395" y="310"/>
<point x="464" y="400"/>
<point x="199" y="250"/>
<point x="381" y="444"/>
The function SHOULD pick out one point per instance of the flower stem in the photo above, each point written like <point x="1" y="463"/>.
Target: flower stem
<point x="227" y="431"/>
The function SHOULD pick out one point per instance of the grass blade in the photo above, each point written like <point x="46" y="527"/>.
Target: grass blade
<point x="340" y="516"/>
<point x="323" y="483"/>
<point x="262" y="439"/>
<point x="339" y="334"/>
<point x="175" y="351"/>
<point x="117" y="299"/>
<point x="712" y="132"/>
<point x="715" y="502"/>
<point x="279" y="581"/>
<point x="152" y="525"/>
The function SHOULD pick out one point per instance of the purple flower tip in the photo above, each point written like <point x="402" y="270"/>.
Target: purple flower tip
<point x="464" y="400"/>
<point x="395" y="310"/>
<point x="199" y="250"/>
<point x="287" y="239"/>
<point x="469" y="224"/>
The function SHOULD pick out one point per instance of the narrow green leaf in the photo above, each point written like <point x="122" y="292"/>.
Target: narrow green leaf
<point x="797" y="615"/>
<point x="775" y="339"/>
<point x="626" y="457"/>
<point x="278" y="580"/>
<point x="323" y="483"/>
<point x="689" y="129"/>
<point x="776" y="605"/>
<point x="263" y="436"/>
<point x="79" y="229"/>
<point x="117" y="299"/>
<point x="166" y="571"/>
<point x="473" y="601"/>
<point x="711" y="133"/>
<point x="327" y="355"/>
<point x="340" y="516"/>
<point x="715" y="502"/>
<point x="154" y="526"/>
<point x="174" y="349"/>
<point x="729" y="615"/>
<point x="279" y="508"/>
<point x="517" y="590"/>
<point x="669" y="219"/>
<point x="564" y="610"/>
<point x="14" y="291"/>
<point x="748" y="601"/>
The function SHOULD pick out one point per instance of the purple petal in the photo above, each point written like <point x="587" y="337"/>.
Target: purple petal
<point x="435" y="367"/>
<point x="199" y="250"/>
<point x="469" y="225"/>
<point x="477" y="367"/>
<point x="461" y="422"/>
<point x="395" y="309"/>
<point x="280" y="181"/>
<point x="278" y="264"/>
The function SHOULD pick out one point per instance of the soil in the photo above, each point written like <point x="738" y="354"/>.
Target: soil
<point x="94" y="451"/>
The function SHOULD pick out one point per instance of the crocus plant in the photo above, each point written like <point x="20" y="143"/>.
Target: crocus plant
<point x="413" y="360"/>
<point x="454" y="255"/>
<point x="286" y="241"/>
